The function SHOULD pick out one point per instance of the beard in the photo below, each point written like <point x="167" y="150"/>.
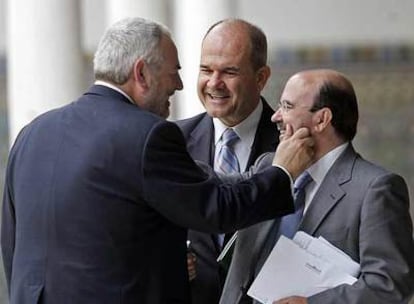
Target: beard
<point x="157" y="102"/>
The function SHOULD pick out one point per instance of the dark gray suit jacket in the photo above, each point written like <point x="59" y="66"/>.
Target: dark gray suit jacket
<point x="199" y="134"/>
<point x="363" y="210"/>
<point x="98" y="195"/>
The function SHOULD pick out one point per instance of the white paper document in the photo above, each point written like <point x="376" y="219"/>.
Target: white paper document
<point x="302" y="267"/>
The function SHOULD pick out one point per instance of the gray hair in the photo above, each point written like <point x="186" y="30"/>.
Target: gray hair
<point x="123" y="43"/>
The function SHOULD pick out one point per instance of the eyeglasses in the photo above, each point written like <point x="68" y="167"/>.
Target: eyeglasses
<point x="286" y="106"/>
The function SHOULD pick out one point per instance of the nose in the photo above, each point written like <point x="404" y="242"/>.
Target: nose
<point x="277" y="116"/>
<point x="215" y="81"/>
<point x="179" y="83"/>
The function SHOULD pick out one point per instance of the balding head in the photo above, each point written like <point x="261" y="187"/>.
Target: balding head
<point x="233" y="70"/>
<point x="326" y="76"/>
<point x="248" y="36"/>
<point x="333" y="90"/>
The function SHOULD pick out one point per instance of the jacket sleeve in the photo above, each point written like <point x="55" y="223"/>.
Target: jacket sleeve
<point x="199" y="200"/>
<point x="386" y="249"/>
<point x="8" y="225"/>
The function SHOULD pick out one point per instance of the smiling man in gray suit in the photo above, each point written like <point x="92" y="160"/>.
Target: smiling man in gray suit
<point x="359" y="207"/>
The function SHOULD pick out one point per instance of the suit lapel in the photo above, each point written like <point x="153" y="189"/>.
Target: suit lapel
<point x="201" y="147"/>
<point x="265" y="243"/>
<point x="266" y="137"/>
<point x="330" y="191"/>
<point x="201" y="141"/>
<point x="252" y="243"/>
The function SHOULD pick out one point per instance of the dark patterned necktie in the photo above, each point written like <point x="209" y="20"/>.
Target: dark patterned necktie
<point x="290" y="223"/>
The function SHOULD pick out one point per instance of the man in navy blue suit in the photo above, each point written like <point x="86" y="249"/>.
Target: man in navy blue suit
<point x="99" y="193"/>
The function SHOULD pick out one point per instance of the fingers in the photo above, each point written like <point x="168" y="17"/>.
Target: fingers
<point x="295" y="153"/>
<point x="300" y="133"/>
<point x="191" y="266"/>
<point x="288" y="131"/>
<point x="292" y="300"/>
<point x="281" y="301"/>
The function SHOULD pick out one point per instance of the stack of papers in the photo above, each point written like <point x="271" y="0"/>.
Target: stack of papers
<point x="303" y="267"/>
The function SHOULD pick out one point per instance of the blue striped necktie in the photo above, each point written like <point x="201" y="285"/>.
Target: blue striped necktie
<point x="226" y="160"/>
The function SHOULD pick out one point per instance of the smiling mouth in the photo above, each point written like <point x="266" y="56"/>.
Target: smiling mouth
<point x="215" y="96"/>
<point x="280" y="126"/>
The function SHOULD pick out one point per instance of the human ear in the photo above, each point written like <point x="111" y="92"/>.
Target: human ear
<point x="322" y="118"/>
<point x="140" y="73"/>
<point x="263" y="75"/>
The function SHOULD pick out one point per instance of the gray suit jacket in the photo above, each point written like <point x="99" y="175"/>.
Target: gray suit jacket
<point x="363" y="210"/>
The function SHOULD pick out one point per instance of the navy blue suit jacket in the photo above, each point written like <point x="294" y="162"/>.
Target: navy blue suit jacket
<point x="98" y="195"/>
<point x="199" y="134"/>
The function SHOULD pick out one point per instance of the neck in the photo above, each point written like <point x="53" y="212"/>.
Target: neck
<point x="128" y="89"/>
<point x="325" y="145"/>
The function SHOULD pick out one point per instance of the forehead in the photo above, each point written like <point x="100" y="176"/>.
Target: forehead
<point x="169" y="51"/>
<point x="226" y="44"/>
<point x="300" y="90"/>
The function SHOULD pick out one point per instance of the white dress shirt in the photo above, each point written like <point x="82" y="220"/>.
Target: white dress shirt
<point x="319" y="170"/>
<point x="246" y="130"/>
<point x="111" y="86"/>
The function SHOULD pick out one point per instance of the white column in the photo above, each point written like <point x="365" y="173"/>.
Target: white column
<point x="45" y="64"/>
<point x="156" y="10"/>
<point x="192" y="18"/>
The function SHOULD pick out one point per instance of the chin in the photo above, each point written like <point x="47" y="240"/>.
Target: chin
<point x="218" y="112"/>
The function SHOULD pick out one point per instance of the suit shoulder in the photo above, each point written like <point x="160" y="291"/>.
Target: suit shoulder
<point x="192" y="121"/>
<point x="369" y="167"/>
<point x="369" y="171"/>
<point x="189" y="124"/>
<point x="267" y="109"/>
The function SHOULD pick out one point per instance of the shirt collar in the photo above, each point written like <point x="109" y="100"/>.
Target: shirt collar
<point x="319" y="169"/>
<point x="246" y="129"/>
<point x="111" y="86"/>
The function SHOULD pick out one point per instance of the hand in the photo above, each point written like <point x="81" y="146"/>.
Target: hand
<point x="292" y="300"/>
<point x="191" y="265"/>
<point x="295" y="152"/>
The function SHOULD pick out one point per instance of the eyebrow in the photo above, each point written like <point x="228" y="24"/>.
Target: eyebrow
<point x="226" y="69"/>
<point x="285" y="101"/>
<point x="231" y="69"/>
